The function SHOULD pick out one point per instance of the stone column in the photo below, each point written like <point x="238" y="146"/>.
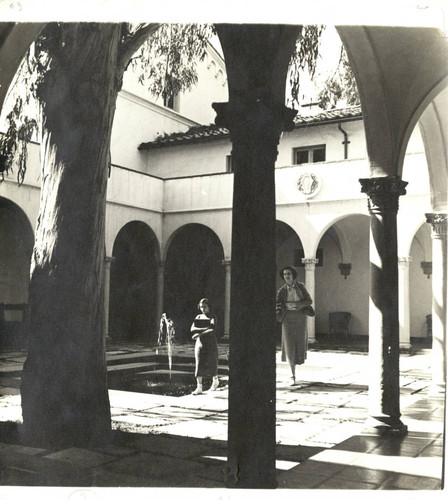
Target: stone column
<point x="384" y="342"/>
<point x="228" y="268"/>
<point x="438" y="223"/>
<point x="255" y="129"/>
<point x="160" y="287"/>
<point x="403" y="301"/>
<point x="257" y="59"/>
<point x="107" y="263"/>
<point x="310" y="282"/>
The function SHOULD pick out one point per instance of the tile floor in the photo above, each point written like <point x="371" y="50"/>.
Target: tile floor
<point x="180" y="442"/>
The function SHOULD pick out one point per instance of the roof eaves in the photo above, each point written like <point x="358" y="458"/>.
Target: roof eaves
<point x="205" y="133"/>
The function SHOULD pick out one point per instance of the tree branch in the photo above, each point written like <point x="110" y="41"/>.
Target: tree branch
<point x="134" y="41"/>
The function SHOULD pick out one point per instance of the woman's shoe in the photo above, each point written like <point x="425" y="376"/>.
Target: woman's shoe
<point x="292" y="381"/>
<point x="215" y="384"/>
<point x="197" y="391"/>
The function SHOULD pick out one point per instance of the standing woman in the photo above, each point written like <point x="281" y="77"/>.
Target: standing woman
<point x="292" y="299"/>
<point x="206" y="347"/>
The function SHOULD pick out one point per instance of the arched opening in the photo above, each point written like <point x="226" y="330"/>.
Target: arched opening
<point x="16" y="246"/>
<point x="342" y="282"/>
<point x="133" y="284"/>
<point x="193" y="269"/>
<point x="420" y="288"/>
<point x="289" y="250"/>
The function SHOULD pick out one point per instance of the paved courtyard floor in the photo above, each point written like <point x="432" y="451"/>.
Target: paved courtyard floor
<point x="180" y="441"/>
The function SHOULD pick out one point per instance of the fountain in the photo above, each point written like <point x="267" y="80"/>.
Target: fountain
<point x="166" y="334"/>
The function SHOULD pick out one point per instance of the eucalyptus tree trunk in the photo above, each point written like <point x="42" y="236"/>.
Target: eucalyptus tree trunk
<point x="64" y="383"/>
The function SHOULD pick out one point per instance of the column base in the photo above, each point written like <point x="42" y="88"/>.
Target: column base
<point x="385" y="426"/>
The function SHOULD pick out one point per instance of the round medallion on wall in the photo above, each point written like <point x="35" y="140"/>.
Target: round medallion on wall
<point x="309" y="184"/>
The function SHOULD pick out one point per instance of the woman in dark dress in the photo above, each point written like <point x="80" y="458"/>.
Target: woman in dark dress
<point x="292" y="299"/>
<point x="206" y="347"/>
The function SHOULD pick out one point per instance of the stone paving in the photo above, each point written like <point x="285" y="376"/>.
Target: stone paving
<point x="167" y="441"/>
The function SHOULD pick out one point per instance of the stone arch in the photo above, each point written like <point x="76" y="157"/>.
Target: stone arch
<point x="289" y="250"/>
<point x="433" y="125"/>
<point x="133" y="283"/>
<point x="342" y="277"/>
<point x="338" y="226"/>
<point x="193" y="269"/>
<point x="406" y="240"/>
<point x="16" y="246"/>
<point x="420" y="284"/>
<point x="398" y="71"/>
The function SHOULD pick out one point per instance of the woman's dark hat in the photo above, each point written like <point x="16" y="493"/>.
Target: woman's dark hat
<point x="289" y="268"/>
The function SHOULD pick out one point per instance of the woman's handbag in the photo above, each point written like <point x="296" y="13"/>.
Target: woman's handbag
<point x="309" y="311"/>
<point x="280" y="314"/>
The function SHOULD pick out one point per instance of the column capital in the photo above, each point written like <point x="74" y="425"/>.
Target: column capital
<point x="254" y="116"/>
<point x="226" y="262"/>
<point x="404" y="261"/>
<point x="439" y="223"/>
<point x="383" y="193"/>
<point x="310" y="264"/>
<point x="109" y="259"/>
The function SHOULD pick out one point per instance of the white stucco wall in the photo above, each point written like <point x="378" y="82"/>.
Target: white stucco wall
<point x="329" y="135"/>
<point x="192" y="159"/>
<point x="26" y="196"/>
<point x="141" y="117"/>
<point x="212" y="87"/>
<point x="136" y="121"/>
<point x="420" y="291"/>
<point x="333" y="292"/>
<point x="197" y="189"/>
<point x="210" y="157"/>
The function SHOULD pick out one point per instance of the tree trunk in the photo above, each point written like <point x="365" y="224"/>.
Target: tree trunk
<point x="64" y="383"/>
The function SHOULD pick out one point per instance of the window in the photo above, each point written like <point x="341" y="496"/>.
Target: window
<point x="309" y="154"/>
<point x="229" y="166"/>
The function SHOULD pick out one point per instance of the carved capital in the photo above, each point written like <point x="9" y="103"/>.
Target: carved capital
<point x="438" y="223"/>
<point x="383" y="193"/>
<point x="254" y="122"/>
<point x="404" y="261"/>
<point x="310" y="264"/>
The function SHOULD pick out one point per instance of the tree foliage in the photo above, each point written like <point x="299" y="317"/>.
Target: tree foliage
<point x="166" y="64"/>
<point x="304" y="58"/>
<point x="13" y="145"/>
<point x="21" y="121"/>
<point x="340" y="87"/>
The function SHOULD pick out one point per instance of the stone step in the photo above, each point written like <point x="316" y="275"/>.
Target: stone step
<point x="161" y="358"/>
<point x="152" y="368"/>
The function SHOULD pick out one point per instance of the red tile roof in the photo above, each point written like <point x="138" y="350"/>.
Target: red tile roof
<point x="203" y="133"/>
